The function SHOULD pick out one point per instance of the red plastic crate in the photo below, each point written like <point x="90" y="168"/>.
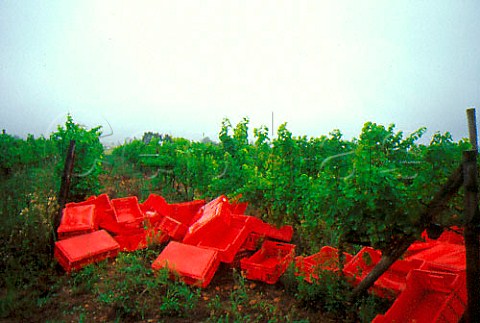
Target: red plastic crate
<point x="186" y="212"/>
<point x="429" y="297"/>
<point x="173" y="228"/>
<point x="442" y="257"/>
<point x="77" y="252"/>
<point x="362" y="263"/>
<point x="142" y="240"/>
<point x="241" y="254"/>
<point x="262" y="228"/>
<point x="77" y="220"/>
<point x="127" y="211"/>
<point x="254" y="241"/>
<point x="325" y="259"/>
<point x="105" y="215"/>
<point x="155" y="208"/>
<point x="453" y="236"/>
<point x="194" y="265"/>
<point x="392" y="282"/>
<point x="238" y="207"/>
<point x="227" y="241"/>
<point x="269" y="263"/>
<point x="104" y="211"/>
<point x="214" y="217"/>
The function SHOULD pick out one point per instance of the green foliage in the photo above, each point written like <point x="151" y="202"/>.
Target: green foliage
<point x="88" y="157"/>
<point x="371" y="189"/>
<point x="18" y="155"/>
<point x="390" y="185"/>
<point x="10" y="152"/>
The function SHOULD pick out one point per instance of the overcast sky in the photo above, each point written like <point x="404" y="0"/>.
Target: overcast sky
<point x="180" y="67"/>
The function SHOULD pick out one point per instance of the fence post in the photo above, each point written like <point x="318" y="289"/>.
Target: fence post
<point x="65" y="185"/>
<point x="472" y="222"/>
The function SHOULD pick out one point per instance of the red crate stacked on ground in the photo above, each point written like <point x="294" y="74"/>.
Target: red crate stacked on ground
<point x="453" y="235"/>
<point x="157" y="213"/>
<point x="325" y="259"/>
<point x="181" y="215"/>
<point x="141" y="240"/>
<point x="187" y="212"/>
<point x="171" y="227"/>
<point x="445" y="257"/>
<point x="89" y="201"/>
<point x="269" y="263"/>
<point x="254" y="241"/>
<point x="107" y="216"/>
<point x="238" y="207"/>
<point x="229" y="240"/>
<point x="213" y="218"/>
<point x="155" y="208"/>
<point x="216" y="228"/>
<point x="127" y="212"/>
<point x="429" y="297"/>
<point x="269" y="231"/>
<point x="261" y="231"/>
<point x="104" y="212"/>
<point x="194" y="265"/>
<point x="171" y="219"/>
<point x="77" y="220"/>
<point x="129" y="226"/>
<point x="392" y="282"/>
<point x="77" y="252"/>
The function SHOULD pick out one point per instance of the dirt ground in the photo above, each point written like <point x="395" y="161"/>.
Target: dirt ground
<point x="70" y="305"/>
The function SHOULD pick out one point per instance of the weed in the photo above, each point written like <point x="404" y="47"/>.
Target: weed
<point x="289" y="279"/>
<point x="369" y="306"/>
<point x="329" y="292"/>
<point x="85" y="280"/>
<point x="131" y="293"/>
<point x="215" y="306"/>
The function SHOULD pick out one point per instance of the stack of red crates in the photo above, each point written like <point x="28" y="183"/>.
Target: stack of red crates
<point x="77" y="220"/>
<point x="127" y="212"/>
<point x="229" y="241"/>
<point x="209" y="234"/>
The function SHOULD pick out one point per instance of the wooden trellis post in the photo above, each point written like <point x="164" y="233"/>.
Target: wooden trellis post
<point x="472" y="222"/>
<point x="65" y="185"/>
